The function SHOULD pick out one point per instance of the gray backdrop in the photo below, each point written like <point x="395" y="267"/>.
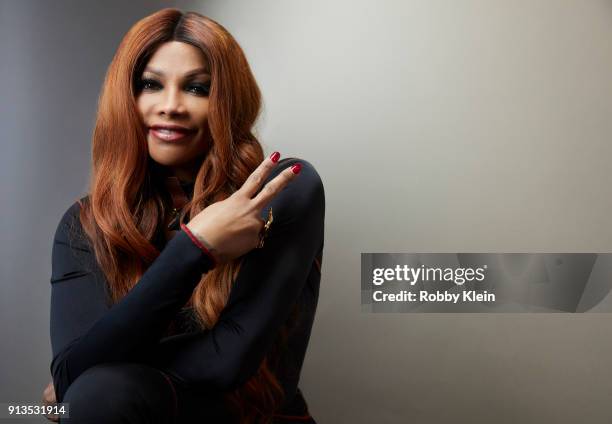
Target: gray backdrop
<point x="436" y="125"/>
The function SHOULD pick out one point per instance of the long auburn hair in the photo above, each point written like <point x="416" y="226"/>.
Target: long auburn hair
<point x="125" y="210"/>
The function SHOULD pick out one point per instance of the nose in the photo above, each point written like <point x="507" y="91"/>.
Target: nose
<point x="171" y="103"/>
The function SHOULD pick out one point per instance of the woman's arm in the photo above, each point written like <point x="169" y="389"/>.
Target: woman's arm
<point x="84" y="330"/>
<point x="268" y="285"/>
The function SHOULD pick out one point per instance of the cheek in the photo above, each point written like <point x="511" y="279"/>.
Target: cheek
<point x="144" y="104"/>
<point x="141" y="106"/>
<point x="200" y="112"/>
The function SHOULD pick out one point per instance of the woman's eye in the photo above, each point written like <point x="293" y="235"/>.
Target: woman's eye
<point x="148" y="84"/>
<point x="201" y="89"/>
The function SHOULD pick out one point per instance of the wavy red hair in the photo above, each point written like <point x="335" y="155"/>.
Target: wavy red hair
<point x="126" y="209"/>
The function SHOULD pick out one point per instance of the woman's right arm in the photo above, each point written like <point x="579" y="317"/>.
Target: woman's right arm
<point x="84" y="330"/>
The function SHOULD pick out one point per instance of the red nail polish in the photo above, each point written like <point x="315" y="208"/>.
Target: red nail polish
<point x="296" y="168"/>
<point x="275" y="156"/>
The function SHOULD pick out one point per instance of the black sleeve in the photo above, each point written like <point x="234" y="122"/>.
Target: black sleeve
<point x="268" y="285"/>
<point x="84" y="330"/>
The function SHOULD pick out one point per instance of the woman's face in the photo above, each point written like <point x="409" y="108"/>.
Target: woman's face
<point x="173" y="106"/>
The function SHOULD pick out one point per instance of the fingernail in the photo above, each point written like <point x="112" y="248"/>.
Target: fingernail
<point x="296" y="168"/>
<point x="275" y="156"/>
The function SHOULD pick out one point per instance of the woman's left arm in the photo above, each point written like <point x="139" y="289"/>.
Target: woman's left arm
<point x="268" y="284"/>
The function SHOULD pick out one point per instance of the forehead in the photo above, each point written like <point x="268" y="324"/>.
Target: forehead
<point x="175" y="57"/>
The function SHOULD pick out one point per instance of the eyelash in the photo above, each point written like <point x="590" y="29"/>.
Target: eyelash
<point x="203" y="88"/>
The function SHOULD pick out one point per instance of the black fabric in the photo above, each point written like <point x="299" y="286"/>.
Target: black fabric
<point x="276" y="285"/>
<point x="121" y="392"/>
<point x="136" y="393"/>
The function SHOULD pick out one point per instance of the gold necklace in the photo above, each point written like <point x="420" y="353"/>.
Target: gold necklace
<point x="179" y="199"/>
<point x="174" y="219"/>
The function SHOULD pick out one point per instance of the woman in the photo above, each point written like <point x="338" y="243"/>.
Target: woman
<point x="184" y="285"/>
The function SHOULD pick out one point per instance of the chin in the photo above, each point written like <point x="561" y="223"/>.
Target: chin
<point x="170" y="154"/>
<point x="175" y="158"/>
<point x="166" y="160"/>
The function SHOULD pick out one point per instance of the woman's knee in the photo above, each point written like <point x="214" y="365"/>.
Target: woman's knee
<point x="121" y="392"/>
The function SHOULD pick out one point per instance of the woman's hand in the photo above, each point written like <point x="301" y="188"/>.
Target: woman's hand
<point x="49" y="399"/>
<point x="230" y="228"/>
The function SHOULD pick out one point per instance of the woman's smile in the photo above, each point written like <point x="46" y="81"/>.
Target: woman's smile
<point x="171" y="134"/>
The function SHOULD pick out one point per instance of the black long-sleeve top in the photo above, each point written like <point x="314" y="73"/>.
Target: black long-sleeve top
<point x="87" y="330"/>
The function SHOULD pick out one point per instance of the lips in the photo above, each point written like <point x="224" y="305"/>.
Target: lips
<point x="171" y="132"/>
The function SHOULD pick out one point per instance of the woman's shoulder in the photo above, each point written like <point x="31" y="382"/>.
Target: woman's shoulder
<point x="69" y="224"/>
<point x="303" y="194"/>
<point x="308" y="173"/>
<point x="72" y="253"/>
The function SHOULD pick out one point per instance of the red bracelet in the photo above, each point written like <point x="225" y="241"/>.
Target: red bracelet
<point x="198" y="243"/>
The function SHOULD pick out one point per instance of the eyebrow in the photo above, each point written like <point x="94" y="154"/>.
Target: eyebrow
<point x="193" y="72"/>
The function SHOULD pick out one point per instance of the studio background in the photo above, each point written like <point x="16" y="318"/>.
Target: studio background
<point x="436" y="126"/>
